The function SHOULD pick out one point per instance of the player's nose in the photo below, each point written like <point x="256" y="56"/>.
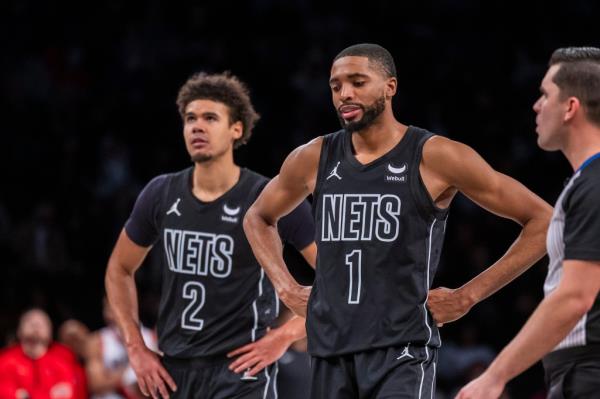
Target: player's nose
<point x="199" y="127"/>
<point x="536" y="105"/>
<point x="346" y="92"/>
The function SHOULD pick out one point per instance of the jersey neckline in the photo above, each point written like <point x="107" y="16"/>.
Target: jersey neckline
<point x="588" y="161"/>
<point x="351" y="158"/>
<point x="190" y="193"/>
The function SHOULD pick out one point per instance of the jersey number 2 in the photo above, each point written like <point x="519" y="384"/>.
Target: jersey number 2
<point x="354" y="262"/>
<point x="195" y="291"/>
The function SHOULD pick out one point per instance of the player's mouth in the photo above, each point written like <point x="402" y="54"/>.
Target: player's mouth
<point x="349" y="111"/>
<point x="199" y="143"/>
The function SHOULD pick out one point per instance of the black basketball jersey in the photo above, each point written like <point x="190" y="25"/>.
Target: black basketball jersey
<point x="379" y="238"/>
<point x="215" y="296"/>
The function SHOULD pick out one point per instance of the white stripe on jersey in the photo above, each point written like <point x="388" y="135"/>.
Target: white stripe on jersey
<point x="275" y="378"/>
<point x="254" y="308"/>
<point x="276" y="303"/>
<point x="433" y="381"/>
<point x="269" y="381"/>
<point x="425" y="308"/>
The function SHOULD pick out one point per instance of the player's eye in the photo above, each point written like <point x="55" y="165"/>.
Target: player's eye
<point x="359" y="83"/>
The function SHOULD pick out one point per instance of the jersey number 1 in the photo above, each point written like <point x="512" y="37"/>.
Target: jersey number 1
<point x="195" y="291"/>
<point x="354" y="262"/>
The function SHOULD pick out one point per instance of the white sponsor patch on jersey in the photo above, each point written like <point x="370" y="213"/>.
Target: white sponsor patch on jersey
<point x="397" y="171"/>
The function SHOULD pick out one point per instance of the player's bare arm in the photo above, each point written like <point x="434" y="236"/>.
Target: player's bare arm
<point x="282" y="194"/>
<point x="448" y="167"/>
<point x="556" y="315"/>
<point x="121" y="291"/>
<point x="255" y="356"/>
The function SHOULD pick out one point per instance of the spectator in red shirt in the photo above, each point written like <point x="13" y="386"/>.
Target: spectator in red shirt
<point x="36" y="367"/>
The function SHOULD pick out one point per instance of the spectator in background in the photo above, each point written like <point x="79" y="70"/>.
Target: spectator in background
<point x="75" y="335"/>
<point x="37" y="367"/>
<point x="107" y="367"/>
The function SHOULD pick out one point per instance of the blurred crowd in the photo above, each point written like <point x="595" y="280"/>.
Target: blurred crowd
<point x="88" y="117"/>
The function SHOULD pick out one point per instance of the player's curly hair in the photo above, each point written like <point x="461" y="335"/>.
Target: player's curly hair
<point x="225" y="88"/>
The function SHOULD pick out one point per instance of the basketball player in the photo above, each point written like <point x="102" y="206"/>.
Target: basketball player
<point x="381" y="195"/>
<point x="216" y="300"/>
<point x="566" y="325"/>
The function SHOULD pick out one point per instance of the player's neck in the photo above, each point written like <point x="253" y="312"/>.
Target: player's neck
<point x="214" y="178"/>
<point x="582" y="144"/>
<point x="380" y="137"/>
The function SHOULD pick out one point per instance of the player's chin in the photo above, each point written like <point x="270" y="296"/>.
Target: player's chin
<point x="354" y="125"/>
<point x="350" y="125"/>
<point x="199" y="157"/>
<point x="546" y="144"/>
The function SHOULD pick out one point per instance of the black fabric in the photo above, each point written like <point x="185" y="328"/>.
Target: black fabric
<point x="216" y="381"/>
<point x="396" y="372"/>
<point x="380" y="238"/>
<point x="574" y="380"/>
<point x="582" y="232"/>
<point x="215" y="297"/>
<point x="298" y="227"/>
<point x="143" y="224"/>
<point x="582" y="215"/>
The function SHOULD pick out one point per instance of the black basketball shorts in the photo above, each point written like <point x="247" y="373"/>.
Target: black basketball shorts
<point x="199" y="378"/>
<point x="573" y="373"/>
<point x="396" y="372"/>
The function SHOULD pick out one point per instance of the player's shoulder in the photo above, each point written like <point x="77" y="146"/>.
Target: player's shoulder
<point x="165" y="178"/>
<point x="254" y="177"/>
<point x="253" y="183"/>
<point x="163" y="181"/>
<point x="455" y="162"/>
<point x="333" y="135"/>
<point x="310" y="152"/>
<point x="444" y="149"/>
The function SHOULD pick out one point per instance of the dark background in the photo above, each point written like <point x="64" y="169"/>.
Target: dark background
<point x="88" y="117"/>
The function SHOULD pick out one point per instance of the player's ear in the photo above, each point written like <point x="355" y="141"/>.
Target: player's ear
<point x="238" y="129"/>
<point x="390" y="88"/>
<point x="573" y="106"/>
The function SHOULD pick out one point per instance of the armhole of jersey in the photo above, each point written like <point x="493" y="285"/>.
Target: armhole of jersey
<point x="257" y="189"/>
<point x="323" y="157"/>
<point x="423" y="200"/>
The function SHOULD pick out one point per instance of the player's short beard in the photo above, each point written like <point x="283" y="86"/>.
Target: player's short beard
<point x="370" y="113"/>
<point x="207" y="157"/>
<point x="201" y="158"/>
